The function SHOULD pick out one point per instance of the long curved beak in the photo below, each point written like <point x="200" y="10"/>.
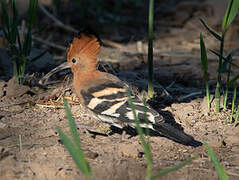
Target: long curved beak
<point x="62" y="66"/>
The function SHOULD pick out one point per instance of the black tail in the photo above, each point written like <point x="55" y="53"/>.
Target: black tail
<point x="171" y="132"/>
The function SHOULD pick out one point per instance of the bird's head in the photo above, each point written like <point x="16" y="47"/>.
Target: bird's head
<point x="81" y="54"/>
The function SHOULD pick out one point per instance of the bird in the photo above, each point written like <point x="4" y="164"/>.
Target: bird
<point x="105" y="97"/>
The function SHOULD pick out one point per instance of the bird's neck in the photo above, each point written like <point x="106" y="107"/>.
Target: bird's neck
<point x="82" y="78"/>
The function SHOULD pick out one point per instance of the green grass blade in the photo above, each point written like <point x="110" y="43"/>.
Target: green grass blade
<point x="204" y="59"/>
<point x="217" y="36"/>
<point x="76" y="139"/>
<point x="32" y="12"/>
<point x="5" y="19"/>
<point x="237" y="115"/>
<point x="150" y="49"/>
<point x="229" y="58"/>
<point x="14" y="25"/>
<point x="233" y="103"/>
<point x="27" y="43"/>
<point x="231" y="82"/>
<point x="225" y="98"/>
<point x="224" y="66"/>
<point x="148" y="153"/>
<point x="141" y="136"/>
<point x="72" y="124"/>
<point x="204" y="63"/>
<point x="77" y="157"/>
<point x="220" y="170"/>
<point x="225" y="59"/>
<point x="146" y="118"/>
<point x="19" y="51"/>
<point x="218" y="96"/>
<point x="30" y="22"/>
<point x="15" y="71"/>
<point x="6" y="34"/>
<point x="219" y="76"/>
<point x="231" y="12"/>
<point x="174" y="168"/>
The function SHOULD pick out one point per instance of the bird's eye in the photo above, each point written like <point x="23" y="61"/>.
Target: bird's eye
<point x="73" y="61"/>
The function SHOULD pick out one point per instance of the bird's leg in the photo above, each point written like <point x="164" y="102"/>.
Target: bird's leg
<point x="97" y="128"/>
<point x="123" y="138"/>
<point x="84" y="127"/>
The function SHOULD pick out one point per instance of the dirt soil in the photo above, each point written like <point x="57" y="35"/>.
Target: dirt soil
<point x="30" y="116"/>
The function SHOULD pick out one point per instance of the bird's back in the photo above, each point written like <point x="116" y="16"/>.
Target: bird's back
<point x="108" y="96"/>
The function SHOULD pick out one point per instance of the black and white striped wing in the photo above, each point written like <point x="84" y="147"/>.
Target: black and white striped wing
<point x="110" y="103"/>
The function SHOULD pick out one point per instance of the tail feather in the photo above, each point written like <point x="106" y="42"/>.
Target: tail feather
<point x="171" y="132"/>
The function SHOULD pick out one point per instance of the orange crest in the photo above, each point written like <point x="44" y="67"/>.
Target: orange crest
<point x="85" y="47"/>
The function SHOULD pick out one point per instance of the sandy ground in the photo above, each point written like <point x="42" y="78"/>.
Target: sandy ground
<point x="177" y="68"/>
<point x="43" y="157"/>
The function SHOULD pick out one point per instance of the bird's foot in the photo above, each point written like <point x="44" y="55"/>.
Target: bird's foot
<point x="121" y="139"/>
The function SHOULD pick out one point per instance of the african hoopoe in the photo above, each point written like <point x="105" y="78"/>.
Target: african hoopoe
<point x="104" y="95"/>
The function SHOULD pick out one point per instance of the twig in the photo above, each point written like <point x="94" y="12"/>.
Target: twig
<point x="111" y="44"/>
<point x="8" y="113"/>
<point x="14" y="104"/>
<point x="57" y="21"/>
<point x="49" y="43"/>
<point x="232" y="173"/>
<point x="20" y="142"/>
<point x="139" y="47"/>
<point x="164" y="90"/>
<point x="203" y="169"/>
<point x="189" y="95"/>
<point x="170" y="85"/>
<point x="71" y="29"/>
<point x="49" y="106"/>
<point x="85" y="126"/>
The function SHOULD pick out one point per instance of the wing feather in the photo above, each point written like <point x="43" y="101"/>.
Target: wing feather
<point x="111" y="100"/>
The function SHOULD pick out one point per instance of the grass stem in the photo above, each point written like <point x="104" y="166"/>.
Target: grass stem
<point x="233" y="103"/>
<point x="229" y="58"/>
<point x="219" y="77"/>
<point x="150" y="49"/>
<point x="204" y="63"/>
